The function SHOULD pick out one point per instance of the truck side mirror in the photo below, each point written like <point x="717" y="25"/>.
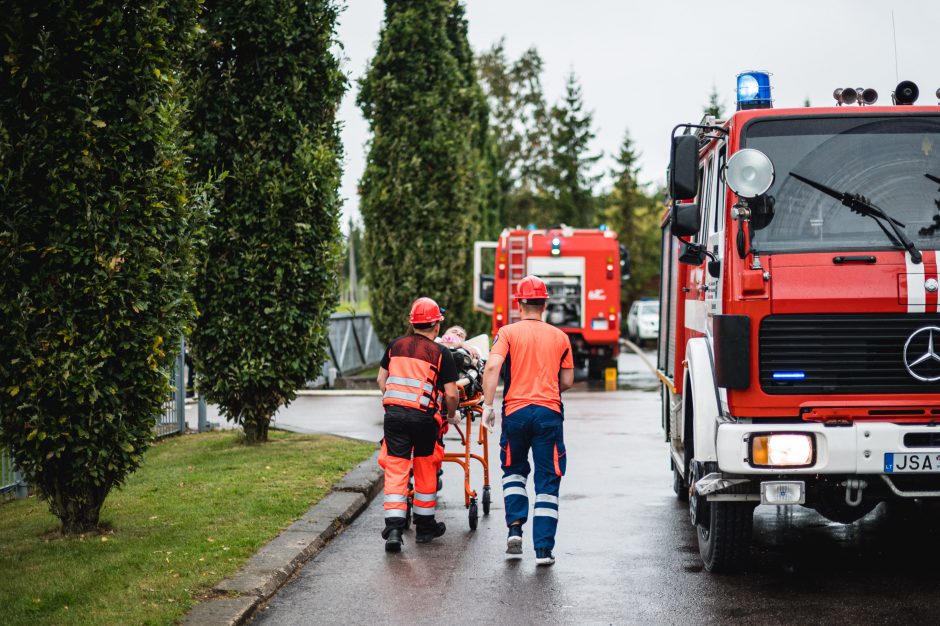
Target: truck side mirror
<point x="624" y="264"/>
<point x="691" y="253"/>
<point x="683" y="167"/>
<point x="686" y="219"/>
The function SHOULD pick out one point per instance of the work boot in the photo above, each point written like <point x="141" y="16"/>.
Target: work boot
<point x="426" y="534"/>
<point x="514" y="542"/>
<point x="544" y="556"/>
<point x="393" y="540"/>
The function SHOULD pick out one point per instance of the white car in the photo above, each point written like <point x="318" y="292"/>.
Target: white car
<point x="643" y="321"/>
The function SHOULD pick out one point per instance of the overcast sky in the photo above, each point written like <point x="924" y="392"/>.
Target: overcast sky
<point x="646" y="66"/>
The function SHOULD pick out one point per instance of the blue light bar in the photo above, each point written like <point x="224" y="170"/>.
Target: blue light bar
<point x="789" y="375"/>
<point x="754" y="91"/>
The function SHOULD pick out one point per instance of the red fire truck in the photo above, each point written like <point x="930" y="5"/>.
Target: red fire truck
<point x="800" y="340"/>
<point x="582" y="269"/>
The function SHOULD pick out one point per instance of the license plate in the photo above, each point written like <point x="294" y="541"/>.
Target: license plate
<point x="907" y="462"/>
<point x="599" y="325"/>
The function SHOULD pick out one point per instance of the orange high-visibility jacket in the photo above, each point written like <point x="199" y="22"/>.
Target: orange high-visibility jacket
<point x="413" y="371"/>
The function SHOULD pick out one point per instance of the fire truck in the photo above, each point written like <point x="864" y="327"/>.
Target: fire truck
<point x="582" y="269"/>
<point x="799" y="348"/>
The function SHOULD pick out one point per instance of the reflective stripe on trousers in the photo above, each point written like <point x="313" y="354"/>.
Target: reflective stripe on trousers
<point x="540" y="430"/>
<point x="424" y="503"/>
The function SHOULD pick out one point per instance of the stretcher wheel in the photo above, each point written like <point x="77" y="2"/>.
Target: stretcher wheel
<point x="486" y="501"/>
<point x="474" y="515"/>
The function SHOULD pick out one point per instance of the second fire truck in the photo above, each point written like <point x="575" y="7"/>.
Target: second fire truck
<point x="582" y="269"/>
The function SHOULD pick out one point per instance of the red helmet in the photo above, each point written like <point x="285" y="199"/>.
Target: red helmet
<point x="531" y="288"/>
<point x="425" y="311"/>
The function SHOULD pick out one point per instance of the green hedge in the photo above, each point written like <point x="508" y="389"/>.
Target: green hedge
<point x="425" y="182"/>
<point x="264" y="110"/>
<point x="96" y="238"/>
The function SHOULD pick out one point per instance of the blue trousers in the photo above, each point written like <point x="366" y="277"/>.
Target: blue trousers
<point x="541" y="430"/>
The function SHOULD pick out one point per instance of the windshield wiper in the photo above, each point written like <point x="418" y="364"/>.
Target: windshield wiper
<point x="863" y="206"/>
<point x="933" y="178"/>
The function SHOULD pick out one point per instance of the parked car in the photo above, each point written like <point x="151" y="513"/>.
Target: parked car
<point x="643" y="321"/>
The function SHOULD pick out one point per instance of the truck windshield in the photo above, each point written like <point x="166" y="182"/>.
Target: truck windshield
<point x="892" y="161"/>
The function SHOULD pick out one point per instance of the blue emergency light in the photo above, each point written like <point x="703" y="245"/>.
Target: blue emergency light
<point x="789" y="375"/>
<point x="754" y="91"/>
<point x="556" y="246"/>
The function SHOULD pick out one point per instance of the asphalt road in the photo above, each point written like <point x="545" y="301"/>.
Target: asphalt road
<point x="626" y="553"/>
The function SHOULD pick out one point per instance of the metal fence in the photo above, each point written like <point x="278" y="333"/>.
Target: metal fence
<point x="12" y="484"/>
<point x="353" y="343"/>
<point x="172" y="421"/>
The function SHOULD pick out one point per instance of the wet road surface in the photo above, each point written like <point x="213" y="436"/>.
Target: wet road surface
<point x="626" y="553"/>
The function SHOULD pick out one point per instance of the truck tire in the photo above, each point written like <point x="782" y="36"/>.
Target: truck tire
<point x="724" y="540"/>
<point x="597" y="365"/>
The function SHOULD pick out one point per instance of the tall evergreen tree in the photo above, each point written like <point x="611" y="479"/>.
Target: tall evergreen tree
<point x="715" y="107"/>
<point x="420" y="192"/>
<point x="521" y="126"/>
<point x="634" y="216"/>
<point x="268" y="87"/>
<point x="96" y="238"/>
<point x="629" y="194"/>
<point x="569" y="175"/>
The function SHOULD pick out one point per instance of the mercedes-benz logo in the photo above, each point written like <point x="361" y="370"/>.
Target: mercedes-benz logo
<point x="922" y="361"/>
<point x="931" y="284"/>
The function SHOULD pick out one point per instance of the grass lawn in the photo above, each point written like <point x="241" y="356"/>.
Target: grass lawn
<point x="196" y="510"/>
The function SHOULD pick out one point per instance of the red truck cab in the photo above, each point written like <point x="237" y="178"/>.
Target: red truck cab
<point x="799" y="332"/>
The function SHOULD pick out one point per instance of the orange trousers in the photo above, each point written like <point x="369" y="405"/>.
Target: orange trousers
<point x="409" y="445"/>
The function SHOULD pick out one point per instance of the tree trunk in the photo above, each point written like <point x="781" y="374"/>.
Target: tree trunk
<point x="256" y="430"/>
<point x="78" y="512"/>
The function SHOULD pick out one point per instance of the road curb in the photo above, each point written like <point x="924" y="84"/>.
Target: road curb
<point x="281" y="557"/>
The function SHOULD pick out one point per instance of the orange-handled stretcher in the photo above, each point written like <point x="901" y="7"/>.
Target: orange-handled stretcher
<point x="470" y="409"/>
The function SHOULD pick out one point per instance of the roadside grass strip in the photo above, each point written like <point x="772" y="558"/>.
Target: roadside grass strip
<point x="193" y="514"/>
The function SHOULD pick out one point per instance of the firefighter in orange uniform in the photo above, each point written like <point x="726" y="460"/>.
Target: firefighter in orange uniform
<point x="536" y="363"/>
<point x="415" y="374"/>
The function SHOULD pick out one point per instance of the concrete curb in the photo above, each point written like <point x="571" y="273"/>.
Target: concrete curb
<point x="277" y="561"/>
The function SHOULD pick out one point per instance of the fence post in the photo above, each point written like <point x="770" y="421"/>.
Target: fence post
<point x="180" y="395"/>
<point x="329" y="344"/>
<point x="362" y="356"/>
<point x="203" y="426"/>
<point x="21" y="488"/>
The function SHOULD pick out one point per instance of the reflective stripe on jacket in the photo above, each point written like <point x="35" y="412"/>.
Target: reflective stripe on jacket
<point x="411" y="383"/>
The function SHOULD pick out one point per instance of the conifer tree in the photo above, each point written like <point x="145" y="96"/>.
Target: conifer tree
<point x="715" y="107"/>
<point x="634" y="216"/>
<point x="267" y="89"/>
<point x="521" y="132"/>
<point x="569" y="175"/>
<point x="420" y="192"/>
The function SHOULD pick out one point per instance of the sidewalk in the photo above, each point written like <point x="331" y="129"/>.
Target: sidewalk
<point x="358" y="415"/>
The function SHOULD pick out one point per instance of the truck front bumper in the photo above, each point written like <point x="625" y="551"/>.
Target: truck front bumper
<point x="857" y="448"/>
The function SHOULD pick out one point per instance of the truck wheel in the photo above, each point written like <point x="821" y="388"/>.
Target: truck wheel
<point x="724" y="539"/>
<point x="597" y="365"/>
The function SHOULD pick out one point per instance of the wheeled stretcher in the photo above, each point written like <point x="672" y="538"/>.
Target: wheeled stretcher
<point x="470" y="410"/>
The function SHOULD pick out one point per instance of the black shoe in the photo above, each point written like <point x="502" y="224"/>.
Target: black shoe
<point x="425" y="535"/>
<point x="393" y="541"/>
<point x="514" y="542"/>
<point x="544" y="556"/>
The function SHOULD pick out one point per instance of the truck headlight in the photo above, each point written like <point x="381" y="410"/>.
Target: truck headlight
<point x="782" y="450"/>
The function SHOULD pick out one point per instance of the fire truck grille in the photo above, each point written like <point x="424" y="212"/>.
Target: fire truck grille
<point x="850" y="354"/>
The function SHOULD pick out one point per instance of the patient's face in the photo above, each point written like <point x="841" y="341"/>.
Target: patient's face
<point x="458" y="332"/>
